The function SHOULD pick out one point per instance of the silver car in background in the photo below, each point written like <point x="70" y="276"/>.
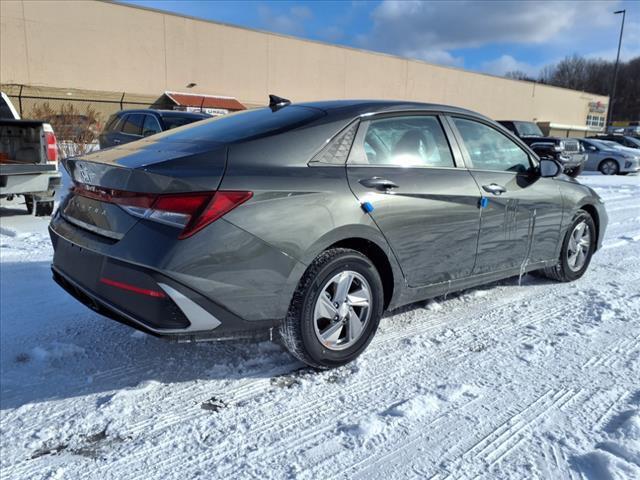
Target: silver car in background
<point x="610" y="158"/>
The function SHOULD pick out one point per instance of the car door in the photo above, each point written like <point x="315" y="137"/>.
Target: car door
<point x="402" y="169"/>
<point x="520" y="222"/>
<point x="593" y="155"/>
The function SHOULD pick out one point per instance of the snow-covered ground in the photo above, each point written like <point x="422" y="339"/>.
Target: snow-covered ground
<point x="527" y="379"/>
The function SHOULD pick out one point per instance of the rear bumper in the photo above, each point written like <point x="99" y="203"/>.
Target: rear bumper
<point x="143" y="298"/>
<point x="29" y="182"/>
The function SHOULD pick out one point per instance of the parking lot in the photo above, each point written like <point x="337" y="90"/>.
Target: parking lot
<point x="521" y="379"/>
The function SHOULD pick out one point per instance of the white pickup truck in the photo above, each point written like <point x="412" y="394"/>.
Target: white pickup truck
<point x="28" y="160"/>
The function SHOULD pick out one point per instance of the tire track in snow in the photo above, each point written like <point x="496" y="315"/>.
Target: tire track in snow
<point x="367" y="384"/>
<point x="539" y="317"/>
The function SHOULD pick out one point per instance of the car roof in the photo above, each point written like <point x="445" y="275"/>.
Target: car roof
<point x="361" y="107"/>
<point x="166" y="113"/>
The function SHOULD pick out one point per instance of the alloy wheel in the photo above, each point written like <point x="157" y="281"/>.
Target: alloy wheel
<point x="609" y="167"/>
<point x="342" y="310"/>
<point x="579" y="245"/>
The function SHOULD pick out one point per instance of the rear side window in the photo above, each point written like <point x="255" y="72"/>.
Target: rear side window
<point x="111" y="123"/>
<point x="488" y="149"/>
<point x="133" y="124"/>
<point x="415" y="141"/>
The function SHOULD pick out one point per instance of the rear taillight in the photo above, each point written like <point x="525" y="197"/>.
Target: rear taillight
<point x="189" y="211"/>
<point x="51" y="143"/>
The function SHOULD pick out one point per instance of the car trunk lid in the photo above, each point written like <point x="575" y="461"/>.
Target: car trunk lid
<point x="109" y="185"/>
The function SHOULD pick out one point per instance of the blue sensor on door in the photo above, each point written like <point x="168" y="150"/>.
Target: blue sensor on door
<point x="367" y="207"/>
<point x="484" y="202"/>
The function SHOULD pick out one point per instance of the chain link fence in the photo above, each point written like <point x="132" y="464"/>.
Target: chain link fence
<point x="77" y="117"/>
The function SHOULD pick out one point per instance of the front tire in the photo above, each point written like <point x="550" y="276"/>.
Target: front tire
<point x="575" y="171"/>
<point x="577" y="249"/>
<point x="29" y="202"/>
<point x="335" y="311"/>
<point x="609" y="167"/>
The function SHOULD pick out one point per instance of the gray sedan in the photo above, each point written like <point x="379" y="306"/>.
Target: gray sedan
<point x="312" y="219"/>
<point x="609" y="158"/>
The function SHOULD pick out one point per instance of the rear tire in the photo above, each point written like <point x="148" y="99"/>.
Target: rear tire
<point x="572" y="265"/>
<point x="305" y="324"/>
<point x="30" y="203"/>
<point x="44" y="209"/>
<point x="574" y="172"/>
<point x="609" y="167"/>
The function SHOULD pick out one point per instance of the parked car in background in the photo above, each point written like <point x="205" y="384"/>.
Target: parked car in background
<point x="28" y="160"/>
<point x="610" y="158"/>
<point x="569" y="152"/>
<point x="312" y="219"/>
<point x="624" y="140"/>
<point x="131" y="125"/>
<point x="633" y="129"/>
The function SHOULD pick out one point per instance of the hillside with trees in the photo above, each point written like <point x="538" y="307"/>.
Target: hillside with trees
<point x="595" y="76"/>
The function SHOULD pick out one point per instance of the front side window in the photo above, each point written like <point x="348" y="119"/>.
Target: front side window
<point x="632" y="142"/>
<point x="416" y="141"/>
<point x="133" y="124"/>
<point x="151" y="126"/>
<point x="489" y="149"/>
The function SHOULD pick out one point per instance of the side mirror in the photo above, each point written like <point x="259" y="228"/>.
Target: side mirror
<point x="549" y="168"/>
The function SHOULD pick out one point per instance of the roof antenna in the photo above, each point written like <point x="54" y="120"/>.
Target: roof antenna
<point x="276" y="102"/>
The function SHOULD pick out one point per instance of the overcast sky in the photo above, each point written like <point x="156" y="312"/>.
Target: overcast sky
<point x="487" y="36"/>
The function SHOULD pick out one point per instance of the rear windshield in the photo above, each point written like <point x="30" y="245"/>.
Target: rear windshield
<point x="244" y="125"/>
<point x="528" y="129"/>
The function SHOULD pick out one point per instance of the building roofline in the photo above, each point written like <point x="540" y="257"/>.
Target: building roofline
<point x="122" y="3"/>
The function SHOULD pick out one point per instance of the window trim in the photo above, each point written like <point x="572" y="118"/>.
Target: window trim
<point x="357" y="146"/>
<point x="533" y="161"/>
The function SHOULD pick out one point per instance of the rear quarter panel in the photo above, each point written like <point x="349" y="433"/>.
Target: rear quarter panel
<point x="298" y="209"/>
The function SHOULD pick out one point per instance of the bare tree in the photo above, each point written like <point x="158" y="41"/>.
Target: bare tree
<point x="519" y="75"/>
<point x="76" y="130"/>
<point x="595" y="76"/>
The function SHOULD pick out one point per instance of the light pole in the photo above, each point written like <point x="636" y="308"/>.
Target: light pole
<point x="612" y="90"/>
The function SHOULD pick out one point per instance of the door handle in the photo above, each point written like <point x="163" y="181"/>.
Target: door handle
<point x="116" y="141"/>
<point x="494" y="188"/>
<point x="378" y="183"/>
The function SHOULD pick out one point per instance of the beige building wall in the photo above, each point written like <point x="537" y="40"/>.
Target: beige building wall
<point x="101" y="46"/>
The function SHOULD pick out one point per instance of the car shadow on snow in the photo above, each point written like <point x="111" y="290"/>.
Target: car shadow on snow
<point x="13" y="210"/>
<point x="53" y="347"/>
